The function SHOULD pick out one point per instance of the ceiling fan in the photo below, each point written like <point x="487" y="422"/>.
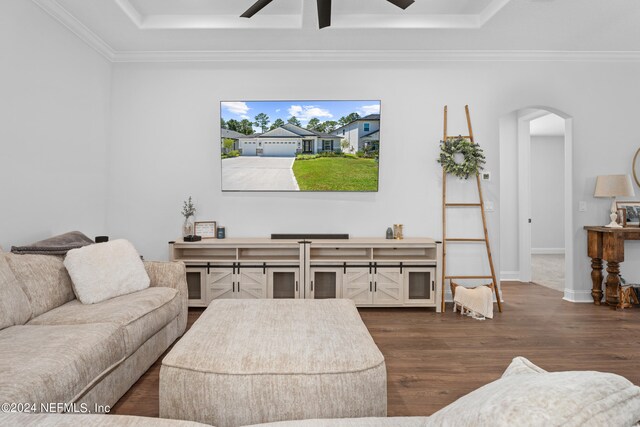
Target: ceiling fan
<point x="324" y="9"/>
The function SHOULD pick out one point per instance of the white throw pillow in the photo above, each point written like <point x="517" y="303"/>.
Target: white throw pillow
<point x="529" y="396"/>
<point x="105" y="270"/>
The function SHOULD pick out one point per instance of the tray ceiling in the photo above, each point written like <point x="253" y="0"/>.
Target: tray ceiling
<point x="445" y="29"/>
<point x="225" y="14"/>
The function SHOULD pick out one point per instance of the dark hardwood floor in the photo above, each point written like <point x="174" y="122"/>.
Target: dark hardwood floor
<point x="433" y="359"/>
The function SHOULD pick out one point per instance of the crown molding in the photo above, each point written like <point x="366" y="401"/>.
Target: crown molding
<point x="376" y="56"/>
<point x="53" y="8"/>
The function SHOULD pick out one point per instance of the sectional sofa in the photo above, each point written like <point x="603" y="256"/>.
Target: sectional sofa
<point x="56" y="350"/>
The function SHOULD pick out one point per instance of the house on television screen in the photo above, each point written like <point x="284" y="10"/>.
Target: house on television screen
<point x="362" y="134"/>
<point x="287" y="141"/>
<point x="226" y="134"/>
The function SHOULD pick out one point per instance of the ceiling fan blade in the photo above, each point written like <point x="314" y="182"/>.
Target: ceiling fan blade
<point x="324" y="13"/>
<point x="257" y="7"/>
<point x="403" y="4"/>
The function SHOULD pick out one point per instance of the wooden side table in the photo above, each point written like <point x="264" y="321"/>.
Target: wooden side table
<point x="607" y="244"/>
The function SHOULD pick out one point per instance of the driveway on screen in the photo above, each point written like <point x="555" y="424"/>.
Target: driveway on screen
<point x="258" y="174"/>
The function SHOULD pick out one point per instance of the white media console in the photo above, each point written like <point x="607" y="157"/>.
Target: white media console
<point x="372" y="272"/>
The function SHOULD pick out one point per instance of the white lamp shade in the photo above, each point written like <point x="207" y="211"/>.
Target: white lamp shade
<point x="614" y="186"/>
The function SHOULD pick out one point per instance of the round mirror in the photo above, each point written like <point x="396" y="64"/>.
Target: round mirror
<point x="636" y="167"/>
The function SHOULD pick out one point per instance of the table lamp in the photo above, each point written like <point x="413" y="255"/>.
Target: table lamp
<point x="614" y="186"/>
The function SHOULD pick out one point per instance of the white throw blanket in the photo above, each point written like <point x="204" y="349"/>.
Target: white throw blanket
<point x="478" y="301"/>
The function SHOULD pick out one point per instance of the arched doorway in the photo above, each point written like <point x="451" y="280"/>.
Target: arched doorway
<point x="537" y="198"/>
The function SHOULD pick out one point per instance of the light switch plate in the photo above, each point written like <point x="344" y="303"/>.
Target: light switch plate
<point x="488" y="206"/>
<point x="582" y="206"/>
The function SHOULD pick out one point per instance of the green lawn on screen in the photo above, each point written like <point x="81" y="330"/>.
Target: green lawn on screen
<point x="336" y="174"/>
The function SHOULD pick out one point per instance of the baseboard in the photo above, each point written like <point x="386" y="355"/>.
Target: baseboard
<point x="547" y="251"/>
<point x="580" y="296"/>
<point x="507" y="276"/>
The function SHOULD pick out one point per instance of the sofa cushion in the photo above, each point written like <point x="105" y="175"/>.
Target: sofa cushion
<point x="89" y="420"/>
<point x="140" y="314"/>
<point x="14" y="304"/>
<point x="42" y="364"/>
<point x="526" y="395"/>
<point x="522" y="366"/>
<point x="43" y="279"/>
<point x="106" y="270"/>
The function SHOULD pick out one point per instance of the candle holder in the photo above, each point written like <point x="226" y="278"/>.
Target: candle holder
<point x="398" y="232"/>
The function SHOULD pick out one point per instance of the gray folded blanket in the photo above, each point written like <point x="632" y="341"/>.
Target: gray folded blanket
<point x="57" y="245"/>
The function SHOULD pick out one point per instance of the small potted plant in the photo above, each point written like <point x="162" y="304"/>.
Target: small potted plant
<point x="188" y="211"/>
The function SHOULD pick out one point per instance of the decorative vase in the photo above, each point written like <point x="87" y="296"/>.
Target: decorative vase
<point x="187" y="227"/>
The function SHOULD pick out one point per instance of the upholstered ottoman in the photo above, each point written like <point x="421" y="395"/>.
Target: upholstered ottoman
<point x="253" y="361"/>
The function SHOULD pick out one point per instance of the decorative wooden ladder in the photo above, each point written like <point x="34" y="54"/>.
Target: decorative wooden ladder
<point x="480" y="205"/>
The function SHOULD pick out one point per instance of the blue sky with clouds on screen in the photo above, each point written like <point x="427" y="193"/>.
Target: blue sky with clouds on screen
<point x="303" y="110"/>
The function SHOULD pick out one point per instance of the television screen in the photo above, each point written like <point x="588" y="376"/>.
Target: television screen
<point x="300" y="145"/>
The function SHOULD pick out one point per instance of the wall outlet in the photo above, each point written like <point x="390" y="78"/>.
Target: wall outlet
<point x="488" y="206"/>
<point x="582" y="206"/>
<point x="485" y="176"/>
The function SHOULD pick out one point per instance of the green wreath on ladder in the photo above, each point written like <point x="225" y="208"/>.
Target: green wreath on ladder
<point x="472" y="157"/>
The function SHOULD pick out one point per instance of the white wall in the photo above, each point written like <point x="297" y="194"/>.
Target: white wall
<point x="164" y="141"/>
<point x="54" y="110"/>
<point x="164" y="146"/>
<point x="547" y="194"/>
<point x="509" y="238"/>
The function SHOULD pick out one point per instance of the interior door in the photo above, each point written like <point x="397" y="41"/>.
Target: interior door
<point x="220" y="284"/>
<point x="251" y="283"/>
<point x="388" y="286"/>
<point x="357" y="285"/>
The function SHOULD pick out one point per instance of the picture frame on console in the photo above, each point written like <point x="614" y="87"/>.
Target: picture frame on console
<point x="631" y="213"/>
<point x="622" y="217"/>
<point x="206" y="229"/>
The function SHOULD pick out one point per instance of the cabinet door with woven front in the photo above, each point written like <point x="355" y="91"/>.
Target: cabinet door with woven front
<point x="220" y="284"/>
<point x="283" y="283"/>
<point x="419" y="286"/>
<point x="326" y="283"/>
<point x="251" y="283"/>
<point x="357" y="285"/>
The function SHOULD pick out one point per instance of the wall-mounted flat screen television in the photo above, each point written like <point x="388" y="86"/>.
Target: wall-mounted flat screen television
<point x="300" y="145"/>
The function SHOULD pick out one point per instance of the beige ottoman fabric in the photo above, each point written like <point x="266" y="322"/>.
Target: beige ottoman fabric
<point x="247" y="362"/>
<point x="355" y="422"/>
<point x="82" y="420"/>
